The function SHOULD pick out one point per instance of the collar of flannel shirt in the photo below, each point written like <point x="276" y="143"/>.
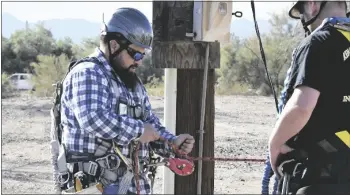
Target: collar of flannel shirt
<point x="101" y="57"/>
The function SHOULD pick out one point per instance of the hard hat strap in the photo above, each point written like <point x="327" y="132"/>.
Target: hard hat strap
<point x="312" y="20"/>
<point x="122" y="41"/>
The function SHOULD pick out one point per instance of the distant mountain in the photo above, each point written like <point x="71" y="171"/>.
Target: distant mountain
<point x="10" y="24"/>
<point x="77" y="29"/>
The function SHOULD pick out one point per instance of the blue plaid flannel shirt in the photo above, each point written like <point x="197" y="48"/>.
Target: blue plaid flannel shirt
<point x="88" y="111"/>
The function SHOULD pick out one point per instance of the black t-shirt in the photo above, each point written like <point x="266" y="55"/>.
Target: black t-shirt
<point x="322" y="62"/>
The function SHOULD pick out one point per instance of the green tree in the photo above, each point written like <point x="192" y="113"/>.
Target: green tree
<point x="64" y="46"/>
<point x="28" y="43"/>
<point x="86" y="47"/>
<point x="242" y="63"/>
<point x="9" y="62"/>
<point x="228" y="74"/>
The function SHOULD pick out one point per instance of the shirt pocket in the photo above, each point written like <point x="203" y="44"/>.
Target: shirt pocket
<point x="136" y="106"/>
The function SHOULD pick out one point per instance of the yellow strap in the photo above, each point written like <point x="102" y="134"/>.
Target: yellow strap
<point x="344" y="136"/>
<point x="116" y="149"/>
<point x="78" y="185"/>
<point x="345" y="33"/>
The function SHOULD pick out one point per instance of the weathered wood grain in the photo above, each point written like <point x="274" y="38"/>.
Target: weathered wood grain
<point x="188" y="109"/>
<point x="185" y="54"/>
<point x="172" y="20"/>
<point x="172" y="49"/>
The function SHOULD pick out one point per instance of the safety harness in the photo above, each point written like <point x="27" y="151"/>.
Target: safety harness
<point x="326" y="160"/>
<point x="74" y="172"/>
<point x="342" y="24"/>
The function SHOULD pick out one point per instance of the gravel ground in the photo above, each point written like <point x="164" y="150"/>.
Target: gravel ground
<point x="242" y="125"/>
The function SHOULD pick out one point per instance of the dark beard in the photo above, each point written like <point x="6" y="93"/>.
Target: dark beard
<point x="130" y="79"/>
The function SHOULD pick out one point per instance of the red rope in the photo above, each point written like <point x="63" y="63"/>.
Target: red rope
<point x="185" y="156"/>
<point x="177" y="151"/>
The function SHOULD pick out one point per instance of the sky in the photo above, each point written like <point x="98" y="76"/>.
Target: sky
<point x="92" y="11"/>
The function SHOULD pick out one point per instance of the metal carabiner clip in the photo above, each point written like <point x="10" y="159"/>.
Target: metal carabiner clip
<point x="110" y="162"/>
<point x="285" y="184"/>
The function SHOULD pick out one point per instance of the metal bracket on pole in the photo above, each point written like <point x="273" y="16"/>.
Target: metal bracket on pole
<point x="201" y="131"/>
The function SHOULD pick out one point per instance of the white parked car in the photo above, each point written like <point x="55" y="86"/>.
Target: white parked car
<point x="21" y="81"/>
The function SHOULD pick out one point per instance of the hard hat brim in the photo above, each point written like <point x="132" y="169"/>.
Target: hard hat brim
<point x="294" y="11"/>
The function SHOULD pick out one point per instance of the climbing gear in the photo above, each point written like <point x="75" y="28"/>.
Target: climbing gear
<point x="291" y="172"/>
<point x="328" y="158"/>
<point x="100" y="165"/>
<point x="134" y="168"/>
<point x="128" y="26"/>
<point x="153" y="169"/>
<point x="294" y="13"/>
<point x="181" y="167"/>
<point x="263" y="55"/>
<point x="339" y="23"/>
<point x="290" y="169"/>
<point x="61" y="173"/>
<point x="132" y="24"/>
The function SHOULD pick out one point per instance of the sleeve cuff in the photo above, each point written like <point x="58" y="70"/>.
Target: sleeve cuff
<point x="172" y="138"/>
<point x="140" y="130"/>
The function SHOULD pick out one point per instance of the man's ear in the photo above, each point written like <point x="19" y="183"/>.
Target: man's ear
<point x="314" y="7"/>
<point x="114" y="45"/>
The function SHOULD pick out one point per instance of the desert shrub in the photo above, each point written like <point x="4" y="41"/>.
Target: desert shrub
<point x="6" y="87"/>
<point x="48" y="71"/>
<point x="155" y="86"/>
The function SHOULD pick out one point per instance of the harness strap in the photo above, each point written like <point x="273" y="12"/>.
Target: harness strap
<point x="94" y="169"/>
<point x="304" y="166"/>
<point x="153" y="169"/>
<point x="124" y="159"/>
<point x="130" y="173"/>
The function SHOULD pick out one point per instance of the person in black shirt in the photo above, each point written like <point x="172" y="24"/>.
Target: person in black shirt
<point x="316" y="101"/>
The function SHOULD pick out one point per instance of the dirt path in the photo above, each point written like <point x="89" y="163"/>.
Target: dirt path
<point x="241" y="128"/>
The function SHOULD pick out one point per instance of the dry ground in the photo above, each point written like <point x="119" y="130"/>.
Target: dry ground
<point x="241" y="128"/>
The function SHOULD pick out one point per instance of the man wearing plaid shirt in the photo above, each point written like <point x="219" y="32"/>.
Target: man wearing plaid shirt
<point x="103" y="99"/>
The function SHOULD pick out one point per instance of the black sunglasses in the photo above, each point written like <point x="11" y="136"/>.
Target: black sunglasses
<point x="136" y="55"/>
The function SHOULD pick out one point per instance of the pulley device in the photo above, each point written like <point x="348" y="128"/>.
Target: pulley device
<point x="179" y="166"/>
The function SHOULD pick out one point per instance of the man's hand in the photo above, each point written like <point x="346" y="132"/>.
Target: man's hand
<point x="150" y="134"/>
<point x="185" y="143"/>
<point x="275" y="151"/>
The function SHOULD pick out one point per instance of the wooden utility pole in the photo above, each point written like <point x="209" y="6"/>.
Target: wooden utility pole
<point x="173" y="48"/>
